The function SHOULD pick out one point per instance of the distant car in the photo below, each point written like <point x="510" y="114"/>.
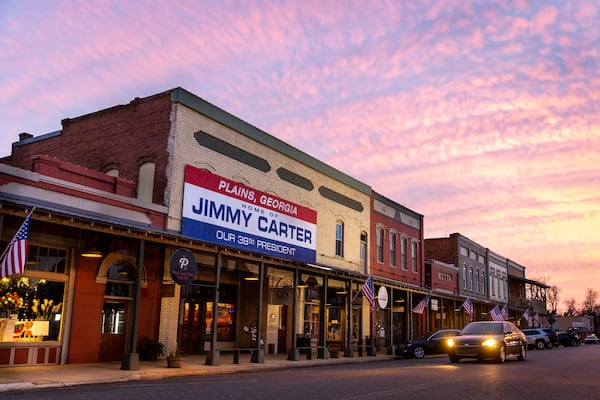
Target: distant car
<point x="432" y="343"/>
<point x="553" y="335"/>
<point x="488" y="340"/>
<point x="537" y="338"/>
<point x="591" y="339"/>
<point x="564" y="339"/>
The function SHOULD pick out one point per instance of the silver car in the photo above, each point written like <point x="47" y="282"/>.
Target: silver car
<point x="484" y="340"/>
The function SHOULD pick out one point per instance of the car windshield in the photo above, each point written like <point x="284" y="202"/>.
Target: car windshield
<point x="483" y="329"/>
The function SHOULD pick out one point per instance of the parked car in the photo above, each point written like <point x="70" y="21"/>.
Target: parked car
<point x="537" y="338"/>
<point x="564" y="339"/>
<point x="552" y="334"/>
<point x="488" y="340"/>
<point x="432" y="343"/>
<point x="591" y="339"/>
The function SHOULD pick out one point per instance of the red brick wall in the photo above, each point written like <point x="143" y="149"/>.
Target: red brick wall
<point x="443" y="249"/>
<point x="437" y="283"/>
<point x="385" y="270"/>
<point x="125" y="136"/>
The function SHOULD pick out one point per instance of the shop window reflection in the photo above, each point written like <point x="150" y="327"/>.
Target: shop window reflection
<point x="113" y="318"/>
<point x="225" y="321"/>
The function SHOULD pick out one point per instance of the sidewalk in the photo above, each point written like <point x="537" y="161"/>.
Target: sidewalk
<point x="23" y="378"/>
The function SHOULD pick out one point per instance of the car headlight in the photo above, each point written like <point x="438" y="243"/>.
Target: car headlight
<point x="450" y="342"/>
<point x="490" y="343"/>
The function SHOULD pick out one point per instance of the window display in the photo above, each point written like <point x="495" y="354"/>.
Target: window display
<point x="31" y="304"/>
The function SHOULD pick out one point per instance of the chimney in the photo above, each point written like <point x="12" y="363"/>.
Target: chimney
<point x="24" y="136"/>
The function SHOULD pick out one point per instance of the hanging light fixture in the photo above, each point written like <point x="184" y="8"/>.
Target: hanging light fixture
<point x="92" y="253"/>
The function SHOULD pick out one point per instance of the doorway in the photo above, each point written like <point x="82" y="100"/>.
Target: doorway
<point x="193" y="329"/>
<point x="114" y="326"/>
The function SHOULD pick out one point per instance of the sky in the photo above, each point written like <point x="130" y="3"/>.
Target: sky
<point x="483" y="116"/>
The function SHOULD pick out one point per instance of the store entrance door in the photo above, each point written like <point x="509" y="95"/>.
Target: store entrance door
<point x="114" y="326"/>
<point x="193" y="329"/>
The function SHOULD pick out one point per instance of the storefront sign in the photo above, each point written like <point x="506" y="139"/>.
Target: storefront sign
<point x="382" y="297"/>
<point x="183" y="266"/>
<point x="221" y="211"/>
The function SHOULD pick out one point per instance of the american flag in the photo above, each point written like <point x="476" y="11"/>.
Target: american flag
<point x="369" y="292"/>
<point x="526" y="316"/>
<point x="496" y="314"/>
<point x="505" y="312"/>
<point x="15" y="254"/>
<point x="422" y="305"/>
<point x="468" y="306"/>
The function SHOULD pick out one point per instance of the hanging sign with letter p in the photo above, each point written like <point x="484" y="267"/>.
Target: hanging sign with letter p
<point x="183" y="266"/>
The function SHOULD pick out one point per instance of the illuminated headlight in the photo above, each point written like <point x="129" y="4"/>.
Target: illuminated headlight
<point x="450" y="342"/>
<point x="490" y="343"/>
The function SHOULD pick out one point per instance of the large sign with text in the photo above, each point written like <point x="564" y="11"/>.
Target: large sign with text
<point x="221" y="211"/>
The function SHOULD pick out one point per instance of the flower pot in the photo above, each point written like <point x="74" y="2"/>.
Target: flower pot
<point x="174" y="362"/>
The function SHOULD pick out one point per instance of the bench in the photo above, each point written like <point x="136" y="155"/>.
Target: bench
<point x="236" y="353"/>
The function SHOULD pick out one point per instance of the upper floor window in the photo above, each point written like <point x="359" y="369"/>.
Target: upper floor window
<point x="476" y="280"/>
<point x="380" y="245"/>
<point x="364" y="244"/>
<point x="464" y="276"/>
<point x="392" y="249"/>
<point x="404" y="255"/>
<point x="413" y="255"/>
<point x="471" y="278"/>
<point x="482" y="280"/>
<point x="339" y="239"/>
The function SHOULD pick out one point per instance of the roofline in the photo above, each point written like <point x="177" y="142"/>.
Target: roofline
<point x="182" y="96"/>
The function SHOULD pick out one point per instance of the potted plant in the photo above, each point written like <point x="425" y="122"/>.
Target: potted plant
<point x="174" y="359"/>
<point x="150" y="349"/>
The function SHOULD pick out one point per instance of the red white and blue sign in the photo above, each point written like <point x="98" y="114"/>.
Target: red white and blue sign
<point x="220" y="211"/>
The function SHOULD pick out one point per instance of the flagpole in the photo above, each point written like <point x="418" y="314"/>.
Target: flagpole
<point x="11" y="240"/>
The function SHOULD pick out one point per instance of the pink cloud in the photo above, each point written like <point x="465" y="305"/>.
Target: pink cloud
<point x="483" y="117"/>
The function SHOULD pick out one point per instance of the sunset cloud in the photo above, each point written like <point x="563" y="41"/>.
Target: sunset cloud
<point x="482" y="116"/>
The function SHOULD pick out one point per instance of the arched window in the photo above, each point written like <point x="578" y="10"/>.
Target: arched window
<point x="119" y="281"/>
<point x="145" y="186"/>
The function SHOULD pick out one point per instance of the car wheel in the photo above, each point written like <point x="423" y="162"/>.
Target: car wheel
<point x="501" y="354"/>
<point x="419" y="352"/>
<point x="540" y="345"/>
<point x="453" y="357"/>
<point x="523" y="353"/>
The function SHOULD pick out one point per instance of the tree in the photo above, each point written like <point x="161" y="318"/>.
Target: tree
<point x="553" y="298"/>
<point x="590" y="300"/>
<point x="571" y="308"/>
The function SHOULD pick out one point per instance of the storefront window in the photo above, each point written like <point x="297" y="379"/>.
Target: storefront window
<point x="225" y="321"/>
<point x="31" y="304"/>
<point x="30" y="309"/>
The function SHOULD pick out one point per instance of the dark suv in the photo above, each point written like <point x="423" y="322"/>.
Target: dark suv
<point x="552" y="335"/>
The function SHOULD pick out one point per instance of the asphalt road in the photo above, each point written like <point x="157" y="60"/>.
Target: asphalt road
<point x="560" y="373"/>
